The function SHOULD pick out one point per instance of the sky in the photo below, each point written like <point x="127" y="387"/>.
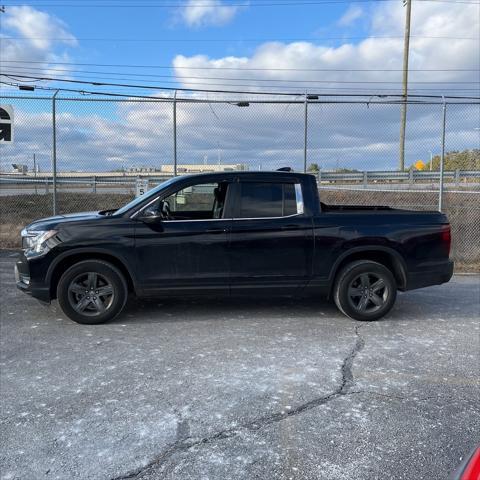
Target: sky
<point x="325" y="46"/>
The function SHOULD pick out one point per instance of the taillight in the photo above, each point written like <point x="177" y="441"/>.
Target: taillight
<point x="447" y="238"/>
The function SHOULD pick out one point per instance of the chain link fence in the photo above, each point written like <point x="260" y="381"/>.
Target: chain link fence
<point x="106" y="147"/>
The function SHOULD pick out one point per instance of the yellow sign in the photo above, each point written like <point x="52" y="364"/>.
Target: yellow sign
<point x="420" y="165"/>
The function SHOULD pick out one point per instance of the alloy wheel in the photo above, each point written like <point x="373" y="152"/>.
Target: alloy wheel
<point x="368" y="292"/>
<point x="90" y="294"/>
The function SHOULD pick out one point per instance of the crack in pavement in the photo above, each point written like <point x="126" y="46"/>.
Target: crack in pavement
<point x="182" y="445"/>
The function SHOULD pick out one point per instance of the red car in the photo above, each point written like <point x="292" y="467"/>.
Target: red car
<point x="470" y="467"/>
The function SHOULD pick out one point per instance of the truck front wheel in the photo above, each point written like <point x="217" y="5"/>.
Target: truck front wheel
<point x="92" y="291"/>
<point x="365" y="290"/>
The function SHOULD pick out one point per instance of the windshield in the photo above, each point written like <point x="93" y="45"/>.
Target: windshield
<point x="142" y="198"/>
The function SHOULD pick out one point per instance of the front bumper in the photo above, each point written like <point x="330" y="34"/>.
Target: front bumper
<point x="430" y="274"/>
<point x="27" y="284"/>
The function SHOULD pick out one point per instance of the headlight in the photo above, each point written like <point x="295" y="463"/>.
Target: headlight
<point x="36" y="241"/>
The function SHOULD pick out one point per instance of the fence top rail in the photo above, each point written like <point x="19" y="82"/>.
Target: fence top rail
<point x="324" y="175"/>
<point x="234" y="101"/>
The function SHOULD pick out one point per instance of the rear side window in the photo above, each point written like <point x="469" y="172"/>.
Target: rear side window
<point x="264" y="199"/>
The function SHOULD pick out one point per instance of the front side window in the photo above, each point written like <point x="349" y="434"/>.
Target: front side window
<point x="195" y="202"/>
<point x="198" y="198"/>
<point x="264" y="199"/>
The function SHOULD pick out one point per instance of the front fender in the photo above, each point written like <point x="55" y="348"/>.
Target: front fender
<point x="93" y="252"/>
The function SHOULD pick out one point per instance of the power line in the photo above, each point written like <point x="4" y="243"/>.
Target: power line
<point x="159" y="85"/>
<point x="222" y="40"/>
<point x="233" y="88"/>
<point x="68" y="70"/>
<point x="260" y="69"/>
<point x="270" y="4"/>
<point x="32" y="72"/>
<point x="369" y="95"/>
<point x="321" y="91"/>
<point x="93" y="82"/>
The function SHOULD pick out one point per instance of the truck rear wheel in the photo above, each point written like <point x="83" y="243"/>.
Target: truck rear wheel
<point x="365" y="290"/>
<point x="92" y="291"/>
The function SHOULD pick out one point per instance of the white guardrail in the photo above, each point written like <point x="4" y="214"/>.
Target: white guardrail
<point x="375" y="179"/>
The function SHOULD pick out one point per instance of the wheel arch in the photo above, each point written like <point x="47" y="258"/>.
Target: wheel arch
<point x="388" y="257"/>
<point x="65" y="261"/>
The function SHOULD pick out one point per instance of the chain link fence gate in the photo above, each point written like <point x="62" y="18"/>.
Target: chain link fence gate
<point x="105" y="146"/>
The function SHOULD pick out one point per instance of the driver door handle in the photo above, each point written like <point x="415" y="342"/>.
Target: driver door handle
<point x="216" y="230"/>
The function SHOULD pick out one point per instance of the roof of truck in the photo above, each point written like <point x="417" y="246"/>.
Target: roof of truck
<point x="274" y="174"/>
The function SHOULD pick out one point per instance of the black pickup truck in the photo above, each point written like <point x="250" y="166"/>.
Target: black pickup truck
<point x="233" y="233"/>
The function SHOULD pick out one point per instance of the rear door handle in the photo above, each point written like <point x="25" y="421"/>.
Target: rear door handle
<point x="215" y="230"/>
<point x="289" y="227"/>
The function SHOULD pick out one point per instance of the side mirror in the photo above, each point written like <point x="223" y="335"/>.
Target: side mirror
<point x="151" y="219"/>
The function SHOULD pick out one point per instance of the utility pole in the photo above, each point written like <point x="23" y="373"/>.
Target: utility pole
<point x="305" y="134"/>
<point x="403" y="117"/>
<point x="305" y="128"/>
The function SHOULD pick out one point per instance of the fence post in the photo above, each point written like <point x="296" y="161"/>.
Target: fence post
<point x="457" y="177"/>
<point x="410" y="177"/>
<point x="175" y="134"/>
<point x="54" y="150"/>
<point x="365" y="179"/>
<point x="94" y="184"/>
<point x="305" y="134"/>
<point x="442" y="157"/>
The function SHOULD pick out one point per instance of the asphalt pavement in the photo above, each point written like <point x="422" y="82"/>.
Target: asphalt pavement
<point x="240" y="389"/>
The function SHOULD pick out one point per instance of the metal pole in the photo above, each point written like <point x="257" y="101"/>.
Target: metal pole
<point x="175" y="134"/>
<point x="305" y="135"/>
<point x="403" y="115"/>
<point x="54" y="151"/>
<point x="442" y="157"/>
<point x="35" y="172"/>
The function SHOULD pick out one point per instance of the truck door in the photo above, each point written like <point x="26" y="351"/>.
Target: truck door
<point x="271" y="239"/>
<point x="188" y="249"/>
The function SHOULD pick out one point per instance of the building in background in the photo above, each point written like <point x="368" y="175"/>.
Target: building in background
<point x="19" y="168"/>
<point x="203" y="168"/>
<point x="142" y="170"/>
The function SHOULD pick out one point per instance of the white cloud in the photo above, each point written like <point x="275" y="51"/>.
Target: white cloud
<point x="353" y="13"/>
<point x="426" y="53"/>
<point x="199" y="13"/>
<point x="41" y="28"/>
<point x="91" y="137"/>
<point x="262" y="135"/>
<point x="39" y="37"/>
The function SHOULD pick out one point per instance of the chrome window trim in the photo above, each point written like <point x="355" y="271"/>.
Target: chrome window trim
<point x="268" y="218"/>
<point x="299" y="198"/>
<point x="232" y="219"/>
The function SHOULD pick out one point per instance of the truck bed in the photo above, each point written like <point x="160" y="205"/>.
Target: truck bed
<point x="367" y="209"/>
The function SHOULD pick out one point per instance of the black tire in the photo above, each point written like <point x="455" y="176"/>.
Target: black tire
<point x="92" y="292"/>
<point x="365" y="290"/>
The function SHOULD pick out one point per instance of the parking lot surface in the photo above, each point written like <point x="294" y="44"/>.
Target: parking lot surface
<point x="240" y="389"/>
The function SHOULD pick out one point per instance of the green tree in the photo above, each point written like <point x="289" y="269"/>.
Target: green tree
<point x="313" y="167"/>
<point x="462" y="160"/>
